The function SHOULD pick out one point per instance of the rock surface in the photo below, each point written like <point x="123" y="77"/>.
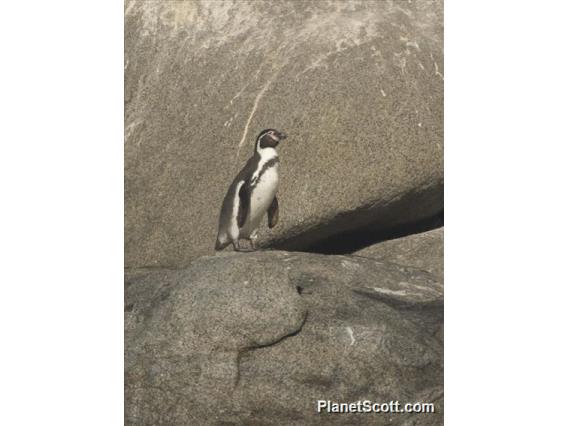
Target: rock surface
<point x="357" y="85"/>
<point x="259" y="338"/>
<point x="423" y="251"/>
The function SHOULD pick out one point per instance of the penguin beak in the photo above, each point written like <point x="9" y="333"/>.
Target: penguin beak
<point x="282" y="136"/>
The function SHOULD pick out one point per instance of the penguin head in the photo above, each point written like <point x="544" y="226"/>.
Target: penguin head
<point x="269" y="138"/>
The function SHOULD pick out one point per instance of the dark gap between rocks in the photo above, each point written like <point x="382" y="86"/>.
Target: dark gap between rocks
<point x="413" y="212"/>
<point x="349" y="242"/>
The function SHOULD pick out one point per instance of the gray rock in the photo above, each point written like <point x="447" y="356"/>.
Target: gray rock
<point x="259" y="338"/>
<point x="357" y="85"/>
<point x="424" y="251"/>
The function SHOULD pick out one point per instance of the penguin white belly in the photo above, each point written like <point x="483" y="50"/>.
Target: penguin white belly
<point x="261" y="197"/>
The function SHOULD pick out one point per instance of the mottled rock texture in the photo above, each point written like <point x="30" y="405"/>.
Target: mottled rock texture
<point x="424" y="250"/>
<point x="357" y="85"/>
<point x="258" y="338"/>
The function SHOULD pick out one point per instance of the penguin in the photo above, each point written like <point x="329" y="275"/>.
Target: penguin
<point x="251" y="195"/>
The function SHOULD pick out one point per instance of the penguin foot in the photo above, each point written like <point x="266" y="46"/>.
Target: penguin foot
<point x="237" y="247"/>
<point x="252" y="244"/>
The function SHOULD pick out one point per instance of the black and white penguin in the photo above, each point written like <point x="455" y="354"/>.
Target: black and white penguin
<point x="252" y="194"/>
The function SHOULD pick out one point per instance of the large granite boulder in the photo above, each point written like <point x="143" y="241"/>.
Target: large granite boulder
<point x="424" y="250"/>
<point x="357" y="85"/>
<point x="260" y="338"/>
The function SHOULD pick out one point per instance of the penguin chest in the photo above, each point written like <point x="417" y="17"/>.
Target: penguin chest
<point x="262" y="195"/>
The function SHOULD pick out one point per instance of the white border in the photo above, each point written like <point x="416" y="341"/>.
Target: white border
<point x="61" y="177"/>
<point x="505" y="289"/>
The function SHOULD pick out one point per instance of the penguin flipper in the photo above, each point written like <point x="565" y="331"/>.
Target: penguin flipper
<point x="273" y="213"/>
<point x="244" y="203"/>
